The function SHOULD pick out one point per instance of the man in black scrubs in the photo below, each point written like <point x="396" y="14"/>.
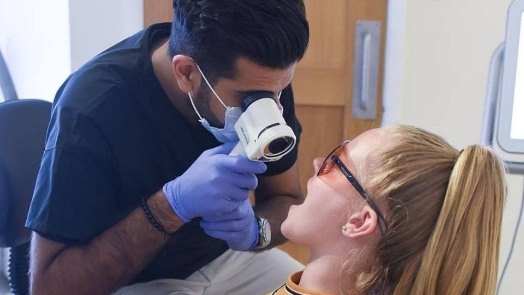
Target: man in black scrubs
<point x="136" y="187"/>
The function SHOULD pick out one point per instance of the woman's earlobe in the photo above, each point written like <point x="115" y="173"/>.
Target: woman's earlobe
<point x="347" y="230"/>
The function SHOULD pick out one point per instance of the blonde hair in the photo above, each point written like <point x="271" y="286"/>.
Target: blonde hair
<point x="444" y="211"/>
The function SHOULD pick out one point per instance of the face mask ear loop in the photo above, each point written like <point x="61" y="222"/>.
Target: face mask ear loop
<point x="191" y="97"/>
<point x="194" y="107"/>
<point x="279" y="104"/>
<point x="212" y="90"/>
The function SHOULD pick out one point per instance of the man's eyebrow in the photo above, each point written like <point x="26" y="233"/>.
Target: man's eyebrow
<point x="251" y="91"/>
<point x="247" y="92"/>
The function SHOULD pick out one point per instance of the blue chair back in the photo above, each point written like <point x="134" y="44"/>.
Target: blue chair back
<point x="23" y="126"/>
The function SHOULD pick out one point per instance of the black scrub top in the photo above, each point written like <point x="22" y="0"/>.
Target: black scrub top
<point x="114" y="137"/>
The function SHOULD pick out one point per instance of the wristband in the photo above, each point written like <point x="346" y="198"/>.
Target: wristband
<point x="151" y="217"/>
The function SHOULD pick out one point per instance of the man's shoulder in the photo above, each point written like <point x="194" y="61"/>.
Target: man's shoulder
<point x="91" y="87"/>
<point x="92" y="95"/>
<point x="117" y="72"/>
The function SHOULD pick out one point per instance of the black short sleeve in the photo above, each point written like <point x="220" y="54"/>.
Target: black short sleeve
<point x="77" y="182"/>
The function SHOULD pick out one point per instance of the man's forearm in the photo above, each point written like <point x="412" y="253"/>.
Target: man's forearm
<point x="108" y="261"/>
<point x="275" y="210"/>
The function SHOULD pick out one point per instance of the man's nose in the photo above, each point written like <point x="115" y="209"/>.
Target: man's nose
<point x="317" y="163"/>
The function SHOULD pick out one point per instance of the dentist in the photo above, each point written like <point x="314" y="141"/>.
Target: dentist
<point x="136" y="192"/>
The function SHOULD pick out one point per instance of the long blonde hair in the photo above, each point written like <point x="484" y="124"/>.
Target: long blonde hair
<point x="444" y="213"/>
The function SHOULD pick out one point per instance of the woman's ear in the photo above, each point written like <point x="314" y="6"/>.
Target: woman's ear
<point x="186" y="73"/>
<point x="361" y="224"/>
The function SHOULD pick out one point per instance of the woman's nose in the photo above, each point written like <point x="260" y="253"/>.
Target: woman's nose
<point x="317" y="163"/>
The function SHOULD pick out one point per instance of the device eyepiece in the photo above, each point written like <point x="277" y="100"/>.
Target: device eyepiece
<point x="279" y="145"/>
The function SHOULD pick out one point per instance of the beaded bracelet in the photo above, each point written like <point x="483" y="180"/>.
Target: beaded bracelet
<point x="151" y="217"/>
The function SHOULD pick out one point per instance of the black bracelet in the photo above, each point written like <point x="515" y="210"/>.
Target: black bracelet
<point x="151" y="217"/>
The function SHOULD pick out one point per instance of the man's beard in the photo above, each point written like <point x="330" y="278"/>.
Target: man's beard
<point x="202" y="104"/>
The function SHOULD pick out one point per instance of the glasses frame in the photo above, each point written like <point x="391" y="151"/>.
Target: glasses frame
<point x="333" y="159"/>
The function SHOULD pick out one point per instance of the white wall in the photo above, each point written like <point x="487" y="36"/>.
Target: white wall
<point x="44" y="41"/>
<point x="34" y="38"/>
<point x="394" y="62"/>
<point x="98" y="24"/>
<point x="444" y="55"/>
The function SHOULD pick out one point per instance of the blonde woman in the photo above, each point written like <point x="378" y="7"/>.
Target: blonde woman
<point x="397" y="211"/>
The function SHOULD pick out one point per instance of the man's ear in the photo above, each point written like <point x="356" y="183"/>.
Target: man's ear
<point x="186" y="73"/>
<point x="361" y="224"/>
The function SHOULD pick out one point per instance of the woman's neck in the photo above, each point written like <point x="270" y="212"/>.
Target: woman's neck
<point x="322" y="274"/>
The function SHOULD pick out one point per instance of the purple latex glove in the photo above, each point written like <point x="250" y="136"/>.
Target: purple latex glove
<point x="214" y="185"/>
<point x="239" y="228"/>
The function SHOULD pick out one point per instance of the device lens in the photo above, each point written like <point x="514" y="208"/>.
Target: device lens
<point x="280" y="145"/>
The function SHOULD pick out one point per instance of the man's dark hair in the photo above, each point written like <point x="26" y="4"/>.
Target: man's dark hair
<point x="215" y="33"/>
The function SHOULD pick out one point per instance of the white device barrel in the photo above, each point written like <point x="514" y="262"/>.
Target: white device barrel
<point x="238" y="150"/>
<point x="263" y="132"/>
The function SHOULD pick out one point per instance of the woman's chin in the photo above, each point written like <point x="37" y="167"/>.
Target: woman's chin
<point x="291" y="227"/>
<point x="287" y="228"/>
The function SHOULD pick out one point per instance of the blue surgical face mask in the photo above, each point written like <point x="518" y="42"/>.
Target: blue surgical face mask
<point x="228" y="133"/>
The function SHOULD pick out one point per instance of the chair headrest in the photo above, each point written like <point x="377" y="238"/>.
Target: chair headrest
<point x="23" y="125"/>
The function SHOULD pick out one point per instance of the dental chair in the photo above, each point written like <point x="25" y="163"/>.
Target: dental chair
<point x="23" y="125"/>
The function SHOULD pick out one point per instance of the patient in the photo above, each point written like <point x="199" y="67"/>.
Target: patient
<point x="398" y="210"/>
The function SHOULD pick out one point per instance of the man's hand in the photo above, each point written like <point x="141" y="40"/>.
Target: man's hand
<point x="214" y="185"/>
<point x="238" y="228"/>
